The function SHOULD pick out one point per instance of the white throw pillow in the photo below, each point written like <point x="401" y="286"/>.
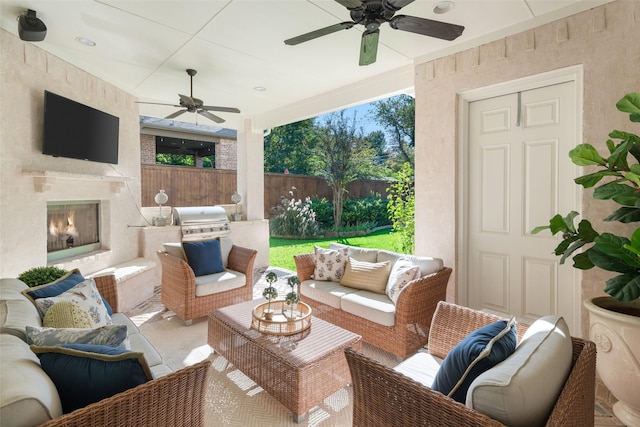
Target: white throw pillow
<point x="84" y="294"/>
<point x="522" y="390"/>
<point x="403" y="272"/>
<point x="330" y="264"/>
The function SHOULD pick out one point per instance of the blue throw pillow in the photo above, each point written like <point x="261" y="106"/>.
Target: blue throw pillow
<point x="58" y="287"/>
<point x="204" y="257"/>
<point x="87" y="373"/>
<point x="477" y="352"/>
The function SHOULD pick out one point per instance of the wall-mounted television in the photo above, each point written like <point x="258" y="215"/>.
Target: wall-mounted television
<point x="77" y="131"/>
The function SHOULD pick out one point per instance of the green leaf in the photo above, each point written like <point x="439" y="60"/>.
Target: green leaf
<point x="625" y="136"/>
<point x="621" y="193"/>
<point x="625" y="215"/>
<point x="586" y="231"/>
<point x="563" y="245"/>
<point x="607" y="262"/>
<point x="571" y="249"/>
<point x="630" y="103"/>
<point x="582" y="261"/>
<point x="625" y="287"/>
<point x="633" y="178"/>
<point x="634" y="117"/>
<point x="618" y="158"/>
<point x="589" y="180"/>
<point x="612" y="246"/>
<point x="634" y="246"/>
<point x="567" y="221"/>
<point x="539" y="229"/>
<point x="586" y="155"/>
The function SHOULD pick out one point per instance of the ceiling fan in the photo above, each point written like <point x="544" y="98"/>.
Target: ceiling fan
<point x="373" y="13"/>
<point x="195" y="105"/>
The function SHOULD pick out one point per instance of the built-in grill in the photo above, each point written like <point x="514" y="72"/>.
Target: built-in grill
<point x="202" y="222"/>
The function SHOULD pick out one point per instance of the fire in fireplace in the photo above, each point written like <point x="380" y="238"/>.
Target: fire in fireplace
<point x="73" y="228"/>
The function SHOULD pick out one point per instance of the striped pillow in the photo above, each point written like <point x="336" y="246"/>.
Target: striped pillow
<point x="368" y="276"/>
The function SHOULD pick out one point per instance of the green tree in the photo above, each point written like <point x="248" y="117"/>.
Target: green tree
<point x="290" y="147"/>
<point x="175" y="159"/>
<point x="402" y="208"/>
<point x="344" y="156"/>
<point x="397" y="116"/>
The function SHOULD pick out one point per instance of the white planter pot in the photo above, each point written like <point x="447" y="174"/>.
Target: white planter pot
<point x="617" y="338"/>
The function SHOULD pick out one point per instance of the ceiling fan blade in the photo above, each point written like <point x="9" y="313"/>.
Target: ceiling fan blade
<point x="176" y="114"/>
<point x="158" y="103"/>
<point x="426" y="27"/>
<point x="210" y="116"/>
<point x="398" y="4"/>
<point x="319" y="33"/>
<point x="187" y="101"/>
<point x="369" y="47"/>
<point x="222" y="109"/>
<point x="351" y="4"/>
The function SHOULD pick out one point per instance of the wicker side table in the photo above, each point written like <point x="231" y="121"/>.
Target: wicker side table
<point x="298" y="370"/>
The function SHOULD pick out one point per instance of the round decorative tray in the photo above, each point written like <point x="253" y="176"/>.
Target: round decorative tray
<point x="281" y="323"/>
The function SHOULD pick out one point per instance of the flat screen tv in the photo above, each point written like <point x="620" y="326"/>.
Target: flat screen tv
<point x="77" y="131"/>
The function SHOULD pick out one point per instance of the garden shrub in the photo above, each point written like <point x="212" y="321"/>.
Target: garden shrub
<point x="294" y="218"/>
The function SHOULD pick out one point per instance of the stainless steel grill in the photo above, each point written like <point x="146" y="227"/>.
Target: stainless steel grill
<point x="202" y="222"/>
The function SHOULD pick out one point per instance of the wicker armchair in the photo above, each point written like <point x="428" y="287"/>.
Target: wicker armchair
<point x="385" y="397"/>
<point x="173" y="400"/>
<point x="179" y="285"/>
<point x="414" y="311"/>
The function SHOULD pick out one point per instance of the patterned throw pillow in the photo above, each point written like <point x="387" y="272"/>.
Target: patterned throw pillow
<point x="112" y="335"/>
<point x="403" y="272"/>
<point x="67" y="314"/>
<point x="330" y="264"/>
<point x="84" y="294"/>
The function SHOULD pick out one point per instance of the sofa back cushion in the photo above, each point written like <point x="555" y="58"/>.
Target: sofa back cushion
<point x="522" y="390"/>
<point x="360" y="254"/>
<point x="368" y="276"/>
<point x="428" y="265"/>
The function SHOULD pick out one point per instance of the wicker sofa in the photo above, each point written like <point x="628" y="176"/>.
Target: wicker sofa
<point x="408" y="319"/>
<point x="191" y="297"/>
<point x="28" y="397"/>
<point x="389" y="397"/>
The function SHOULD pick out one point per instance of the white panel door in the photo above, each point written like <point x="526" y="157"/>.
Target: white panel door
<point x="520" y="175"/>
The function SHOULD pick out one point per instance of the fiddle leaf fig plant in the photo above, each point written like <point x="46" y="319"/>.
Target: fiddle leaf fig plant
<point x="607" y="251"/>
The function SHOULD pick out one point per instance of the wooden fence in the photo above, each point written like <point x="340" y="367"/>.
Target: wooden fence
<point x="189" y="186"/>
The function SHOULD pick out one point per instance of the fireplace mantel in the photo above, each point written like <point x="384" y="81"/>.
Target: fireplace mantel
<point x="42" y="179"/>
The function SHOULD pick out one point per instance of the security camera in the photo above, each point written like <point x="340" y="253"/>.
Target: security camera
<point x="30" y="28"/>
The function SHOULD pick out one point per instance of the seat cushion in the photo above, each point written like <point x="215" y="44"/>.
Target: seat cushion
<point x="368" y="276"/>
<point x="329" y="293"/>
<point x="377" y="308"/>
<point x="522" y="390"/>
<point x="421" y="367"/>
<point x="479" y="351"/>
<point x="219" y="282"/>
<point x="28" y="397"/>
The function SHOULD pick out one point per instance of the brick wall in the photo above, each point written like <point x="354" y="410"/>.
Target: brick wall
<point x="147" y="149"/>
<point x="226" y="155"/>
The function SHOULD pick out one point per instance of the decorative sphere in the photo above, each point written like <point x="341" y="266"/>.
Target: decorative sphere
<point x="236" y="198"/>
<point x="161" y="198"/>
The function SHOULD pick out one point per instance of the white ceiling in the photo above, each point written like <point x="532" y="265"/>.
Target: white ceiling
<point x="144" y="47"/>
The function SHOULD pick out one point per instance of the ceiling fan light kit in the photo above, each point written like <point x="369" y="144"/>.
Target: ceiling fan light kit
<point x="373" y="13"/>
<point x="195" y="105"/>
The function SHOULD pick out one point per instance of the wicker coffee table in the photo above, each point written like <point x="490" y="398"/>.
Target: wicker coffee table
<point x="298" y="370"/>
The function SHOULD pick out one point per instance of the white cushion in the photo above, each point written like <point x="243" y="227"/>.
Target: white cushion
<point x="15" y="315"/>
<point x="329" y="263"/>
<point x="122" y="319"/>
<point x="219" y="282"/>
<point x="27" y="396"/>
<point x="11" y="289"/>
<point x="522" y="390"/>
<point x="175" y="249"/>
<point x="377" y="308"/>
<point x="428" y="265"/>
<point x="329" y="293"/>
<point x="421" y="367"/>
<point x="403" y="272"/>
<point x="361" y="254"/>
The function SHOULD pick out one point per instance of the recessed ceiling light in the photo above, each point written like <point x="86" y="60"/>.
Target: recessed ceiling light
<point x="443" y="7"/>
<point x="259" y="89"/>
<point x="85" y="41"/>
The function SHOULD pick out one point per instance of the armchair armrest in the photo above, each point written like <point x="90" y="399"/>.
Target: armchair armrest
<point x="108" y="288"/>
<point x="384" y="397"/>
<point x="241" y="260"/>
<point x="174" y="400"/>
<point x="305" y="265"/>
<point x="419" y="298"/>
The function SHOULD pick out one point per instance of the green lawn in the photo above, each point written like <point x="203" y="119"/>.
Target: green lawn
<point x="283" y="250"/>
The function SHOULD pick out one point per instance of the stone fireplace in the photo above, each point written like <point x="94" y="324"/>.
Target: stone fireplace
<point x="73" y="228"/>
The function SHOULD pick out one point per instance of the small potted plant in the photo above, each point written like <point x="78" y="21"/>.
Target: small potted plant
<point x="270" y="293"/>
<point x="41" y="275"/>
<point x="292" y="298"/>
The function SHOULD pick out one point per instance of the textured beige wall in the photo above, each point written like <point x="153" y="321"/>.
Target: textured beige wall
<point x="603" y="40"/>
<point x="26" y="71"/>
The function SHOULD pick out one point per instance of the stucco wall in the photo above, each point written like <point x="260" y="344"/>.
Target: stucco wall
<point x="603" y="40"/>
<point x="26" y="71"/>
